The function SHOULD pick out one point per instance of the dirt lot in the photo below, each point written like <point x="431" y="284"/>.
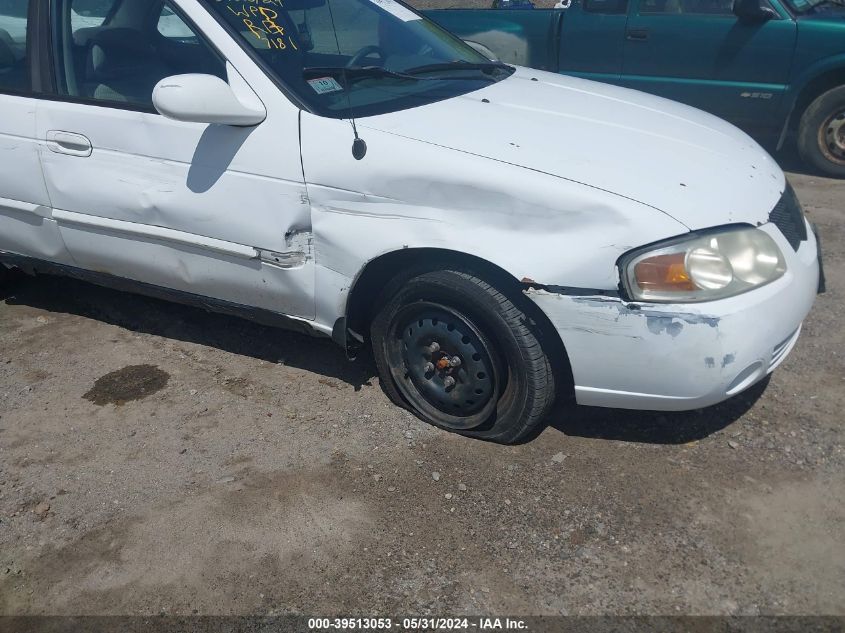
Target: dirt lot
<point x="238" y="469"/>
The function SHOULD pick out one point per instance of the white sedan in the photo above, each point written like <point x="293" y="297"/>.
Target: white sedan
<point x="498" y="236"/>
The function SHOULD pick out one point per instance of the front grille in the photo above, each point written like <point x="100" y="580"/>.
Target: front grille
<point x="789" y="218"/>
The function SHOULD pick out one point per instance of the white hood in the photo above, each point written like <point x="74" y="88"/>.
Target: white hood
<point x="689" y="164"/>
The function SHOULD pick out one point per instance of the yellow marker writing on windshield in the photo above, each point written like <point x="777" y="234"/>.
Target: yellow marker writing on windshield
<point x="268" y="27"/>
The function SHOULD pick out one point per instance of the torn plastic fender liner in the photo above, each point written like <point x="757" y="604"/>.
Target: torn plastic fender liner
<point x="531" y="285"/>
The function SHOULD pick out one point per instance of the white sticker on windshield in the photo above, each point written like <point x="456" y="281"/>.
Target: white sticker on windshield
<point x="396" y="9"/>
<point x="322" y="85"/>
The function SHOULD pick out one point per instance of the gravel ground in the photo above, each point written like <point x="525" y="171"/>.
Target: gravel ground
<point x="232" y="468"/>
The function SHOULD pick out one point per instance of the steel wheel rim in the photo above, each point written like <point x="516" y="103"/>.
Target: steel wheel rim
<point x="832" y="137"/>
<point x="431" y="344"/>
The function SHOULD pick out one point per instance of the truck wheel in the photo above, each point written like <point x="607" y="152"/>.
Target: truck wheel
<point x="461" y="355"/>
<point x="821" y="133"/>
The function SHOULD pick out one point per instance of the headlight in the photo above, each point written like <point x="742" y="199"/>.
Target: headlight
<point x="703" y="267"/>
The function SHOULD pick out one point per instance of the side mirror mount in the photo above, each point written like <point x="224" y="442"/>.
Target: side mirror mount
<point x="480" y="48"/>
<point x="204" y="99"/>
<point x="753" y="11"/>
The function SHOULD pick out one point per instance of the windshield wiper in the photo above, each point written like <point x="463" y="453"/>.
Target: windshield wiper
<point x="353" y="73"/>
<point x="485" y="67"/>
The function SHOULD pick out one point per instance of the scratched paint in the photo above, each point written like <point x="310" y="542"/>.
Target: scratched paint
<point x="649" y="359"/>
<point x="661" y="324"/>
<point x="659" y="321"/>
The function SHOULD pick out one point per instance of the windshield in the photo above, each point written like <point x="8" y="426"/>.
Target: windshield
<point x="357" y="57"/>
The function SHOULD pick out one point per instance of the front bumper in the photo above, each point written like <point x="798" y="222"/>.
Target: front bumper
<point x="674" y="357"/>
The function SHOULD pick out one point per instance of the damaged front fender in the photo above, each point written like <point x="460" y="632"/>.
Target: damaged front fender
<point x="661" y="357"/>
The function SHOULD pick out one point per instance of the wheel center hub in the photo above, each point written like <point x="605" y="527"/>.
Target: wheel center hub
<point x="448" y="362"/>
<point x="836" y="133"/>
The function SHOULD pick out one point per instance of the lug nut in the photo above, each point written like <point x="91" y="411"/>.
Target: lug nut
<point x="434" y="348"/>
<point x="429" y="368"/>
<point x="449" y="382"/>
<point x="455" y="362"/>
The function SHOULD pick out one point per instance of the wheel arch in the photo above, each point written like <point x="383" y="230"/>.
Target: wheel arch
<point x="378" y="272"/>
<point x="361" y="302"/>
<point x="814" y="86"/>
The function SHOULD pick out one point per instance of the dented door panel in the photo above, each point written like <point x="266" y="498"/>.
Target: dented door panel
<point x="26" y="225"/>
<point x="190" y="177"/>
<point x="200" y="271"/>
<point x="202" y="183"/>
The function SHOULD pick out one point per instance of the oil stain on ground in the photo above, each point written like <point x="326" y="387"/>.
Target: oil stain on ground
<point x="125" y="385"/>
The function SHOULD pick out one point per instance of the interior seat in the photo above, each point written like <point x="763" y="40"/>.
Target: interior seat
<point x="13" y="71"/>
<point x="7" y="55"/>
<point x="122" y="65"/>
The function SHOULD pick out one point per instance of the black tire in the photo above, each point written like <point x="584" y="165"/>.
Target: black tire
<point x="821" y="133"/>
<point x="504" y="384"/>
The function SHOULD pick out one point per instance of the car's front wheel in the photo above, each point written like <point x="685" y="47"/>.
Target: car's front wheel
<point x="462" y="355"/>
<point x="821" y="133"/>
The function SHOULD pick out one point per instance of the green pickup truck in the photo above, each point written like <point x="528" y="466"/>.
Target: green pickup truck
<point x="775" y="68"/>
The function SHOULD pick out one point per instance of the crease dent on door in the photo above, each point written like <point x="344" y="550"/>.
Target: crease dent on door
<point x="26" y="224"/>
<point x="182" y="206"/>
<point x="214" y="210"/>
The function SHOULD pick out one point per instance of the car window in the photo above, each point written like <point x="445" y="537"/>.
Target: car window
<point x="357" y="23"/>
<point x="90" y="13"/>
<point x="14" y="71"/>
<point x="687" y="7"/>
<point x="121" y="61"/>
<point x="171" y="26"/>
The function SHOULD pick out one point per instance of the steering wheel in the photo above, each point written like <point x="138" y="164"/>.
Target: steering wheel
<point x="365" y="52"/>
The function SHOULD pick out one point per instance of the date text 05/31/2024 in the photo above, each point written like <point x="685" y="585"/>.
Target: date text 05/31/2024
<point x="416" y="624"/>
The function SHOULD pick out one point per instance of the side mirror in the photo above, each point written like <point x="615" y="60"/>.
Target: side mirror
<point x="204" y="99"/>
<point x="752" y="11"/>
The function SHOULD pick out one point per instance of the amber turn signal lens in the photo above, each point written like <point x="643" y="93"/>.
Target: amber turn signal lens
<point x="664" y="272"/>
<point x="703" y="267"/>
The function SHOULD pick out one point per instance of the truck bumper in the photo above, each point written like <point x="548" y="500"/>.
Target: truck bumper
<point x="675" y="357"/>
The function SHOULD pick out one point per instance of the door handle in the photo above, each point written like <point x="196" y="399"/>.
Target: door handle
<point x="636" y="35"/>
<point x="69" y="143"/>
